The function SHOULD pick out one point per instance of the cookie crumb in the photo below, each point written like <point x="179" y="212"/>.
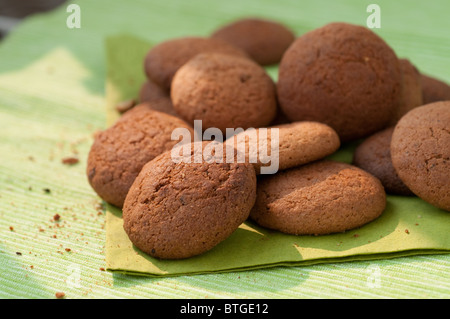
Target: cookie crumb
<point x="47" y="190"/>
<point x="56" y="217"/>
<point x="68" y="249"/>
<point x="407" y="231"/>
<point x="70" y="160"/>
<point x="60" y="295"/>
<point x="356" y="235"/>
<point x="18" y="253"/>
<point x="11" y="228"/>
<point x="102" y="269"/>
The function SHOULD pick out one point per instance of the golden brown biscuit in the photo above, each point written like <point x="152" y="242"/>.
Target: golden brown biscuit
<point x="224" y="91"/>
<point x="179" y="210"/>
<point x="319" y="198"/>
<point x="119" y="152"/>
<point x="411" y="90"/>
<point x="298" y="143"/>
<point x="162" y="105"/>
<point x="342" y="75"/>
<point x="164" y="59"/>
<point x="420" y="152"/>
<point x="150" y="91"/>
<point x="152" y="96"/>
<point x="265" y="41"/>
<point x="434" y="89"/>
<point x="374" y="156"/>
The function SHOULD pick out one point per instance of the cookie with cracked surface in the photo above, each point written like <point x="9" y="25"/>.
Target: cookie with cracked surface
<point x="374" y="156"/>
<point x="298" y="143"/>
<point x="179" y="210"/>
<point x="420" y="152"/>
<point x="119" y="152"/>
<point x="434" y="89"/>
<point x="319" y="198"/>
<point x="224" y="91"/>
<point x="164" y="59"/>
<point x="265" y="41"/>
<point x="342" y="75"/>
<point x="411" y="90"/>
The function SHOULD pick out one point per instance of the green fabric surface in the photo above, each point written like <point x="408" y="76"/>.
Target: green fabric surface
<point x="408" y="225"/>
<point x="53" y="99"/>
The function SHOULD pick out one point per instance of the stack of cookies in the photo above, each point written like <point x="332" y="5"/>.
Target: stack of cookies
<point x="336" y="84"/>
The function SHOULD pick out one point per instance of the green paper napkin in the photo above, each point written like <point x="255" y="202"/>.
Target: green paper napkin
<point x="408" y="226"/>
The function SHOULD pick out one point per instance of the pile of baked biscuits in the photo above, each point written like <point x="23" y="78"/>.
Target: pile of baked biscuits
<point x="336" y="84"/>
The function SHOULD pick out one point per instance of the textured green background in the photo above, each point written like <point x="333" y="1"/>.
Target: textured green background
<point x="52" y="100"/>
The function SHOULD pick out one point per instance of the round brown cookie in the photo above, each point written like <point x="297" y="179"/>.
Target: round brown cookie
<point x="411" y="90"/>
<point x="224" y="91"/>
<point x="150" y="91"/>
<point x="164" y="59"/>
<point x="265" y="41"/>
<point x="298" y="143"/>
<point x="434" y="90"/>
<point x="319" y="198"/>
<point x="420" y="152"/>
<point x="342" y="75"/>
<point x="162" y="105"/>
<point x="179" y="210"/>
<point x="119" y="152"/>
<point x="156" y="98"/>
<point x="374" y="156"/>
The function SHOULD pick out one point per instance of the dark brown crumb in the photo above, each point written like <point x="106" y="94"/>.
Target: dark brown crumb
<point x="102" y="269"/>
<point x="67" y="249"/>
<point x="47" y="190"/>
<point x="60" y="295"/>
<point x="11" y="228"/>
<point x="18" y="253"/>
<point x="56" y="217"/>
<point x="407" y="231"/>
<point x="356" y="235"/>
<point x="70" y="160"/>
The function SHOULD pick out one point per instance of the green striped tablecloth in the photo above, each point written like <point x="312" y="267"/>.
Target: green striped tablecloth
<point x="52" y="101"/>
